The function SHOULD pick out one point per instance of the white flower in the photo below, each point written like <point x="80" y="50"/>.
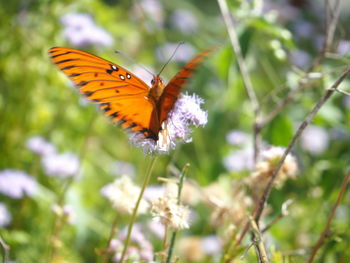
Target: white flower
<point x="315" y="139"/>
<point x="265" y="167"/>
<point x="166" y="211"/>
<point x="61" y="165"/>
<point x="80" y="30"/>
<point x="40" y="146"/>
<point x="17" y="184"/>
<point x="123" y="194"/>
<point x="5" y="216"/>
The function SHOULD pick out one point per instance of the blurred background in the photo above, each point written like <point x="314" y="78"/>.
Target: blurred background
<point x="58" y="151"/>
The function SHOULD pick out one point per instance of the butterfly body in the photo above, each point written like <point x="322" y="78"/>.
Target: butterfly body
<point x="123" y="96"/>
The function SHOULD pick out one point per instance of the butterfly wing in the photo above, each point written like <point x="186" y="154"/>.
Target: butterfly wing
<point x="173" y="88"/>
<point x="121" y="95"/>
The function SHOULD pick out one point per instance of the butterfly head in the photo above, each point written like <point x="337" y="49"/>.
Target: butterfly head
<point x="157" y="87"/>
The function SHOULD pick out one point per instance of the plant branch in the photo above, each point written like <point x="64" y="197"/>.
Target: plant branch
<point x="303" y="125"/>
<point x="258" y="242"/>
<point x="326" y="230"/>
<point x="330" y="30"/>
<point x="5" y="250"/>
<point x="261" y="202"/>
<point x="231" y="28"/>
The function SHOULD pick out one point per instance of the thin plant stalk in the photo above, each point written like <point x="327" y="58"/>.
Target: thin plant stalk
<point x="111" y="234"/>
<point x="134" y="213"/>
<point x="173" y="236"/>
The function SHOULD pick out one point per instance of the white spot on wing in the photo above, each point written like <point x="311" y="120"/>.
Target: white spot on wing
<point x="122" y="77"/>
<point x="128" y="76"/>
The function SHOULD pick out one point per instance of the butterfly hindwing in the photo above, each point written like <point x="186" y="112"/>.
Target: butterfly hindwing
<point x="173" y="88"/>
<point x="122" y="95"/>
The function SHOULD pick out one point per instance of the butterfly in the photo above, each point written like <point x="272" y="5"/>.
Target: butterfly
<point x="124" y="97"/>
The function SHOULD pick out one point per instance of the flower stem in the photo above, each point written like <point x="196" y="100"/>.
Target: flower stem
<point x="134" y="213"/>
<point x="180" y="184"/>
<point x="112" y="233"/>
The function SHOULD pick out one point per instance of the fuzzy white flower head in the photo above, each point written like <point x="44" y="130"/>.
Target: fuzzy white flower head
<point x="265" y="167"/>
<point x="123" y="195"/>
<point x="61" y="165"/>
<point x="166" y="211"/>
<point x="186" y="113"/>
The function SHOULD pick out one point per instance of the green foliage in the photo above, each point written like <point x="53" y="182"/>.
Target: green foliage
<point x="38" y="100"/>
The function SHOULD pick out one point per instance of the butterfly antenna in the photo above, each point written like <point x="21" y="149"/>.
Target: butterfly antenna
<point x="181" y="43"/>
<point x="133" y="61"/>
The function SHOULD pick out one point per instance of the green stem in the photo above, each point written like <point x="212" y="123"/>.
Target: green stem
<point x="173" y="236"/>
<point x="112" y="233"/>
<point x="134" y="213"/>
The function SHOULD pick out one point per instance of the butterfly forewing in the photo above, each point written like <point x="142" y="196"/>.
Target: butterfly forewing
<point x="122" y="95"/>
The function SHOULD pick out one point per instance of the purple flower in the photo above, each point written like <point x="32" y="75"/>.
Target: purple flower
<point x="343" y="47"/>
<point x="185" y="21"/>
<point x="80" y="30"/>
<point x="16" y="184"/>
<point x="300" y="58"/>
<point x="141" y="249"/>
<point x="154" y="10"/>
<point x="120" y="168"/>
<point x="187" y="112"/>
<point x="315" y="139"/>
<point x="211" y="245"/>
<point x="184" y="52"/>
<point x="241" y="160"/>
<point x="61" y="165"/>
<point x="236" y="137"/>
<point x="5" y="216"/>
<point x="40" y="146"/>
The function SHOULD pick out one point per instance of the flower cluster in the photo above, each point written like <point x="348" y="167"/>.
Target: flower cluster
<point x="266" y="165"/>
<point x="140" y="250"/>
<point x="17" y="184"/>
<point x="166" y="211"/>
<point x="195" y="249"/>
<point x="80" y="31"/>
<point x="229" y="205"/>
<point x="123" y="194"/>
<point x="54" y="164"/>
<point x="187" y="112"/>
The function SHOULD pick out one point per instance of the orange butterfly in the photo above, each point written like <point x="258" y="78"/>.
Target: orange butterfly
<point x="121" y="95"/>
